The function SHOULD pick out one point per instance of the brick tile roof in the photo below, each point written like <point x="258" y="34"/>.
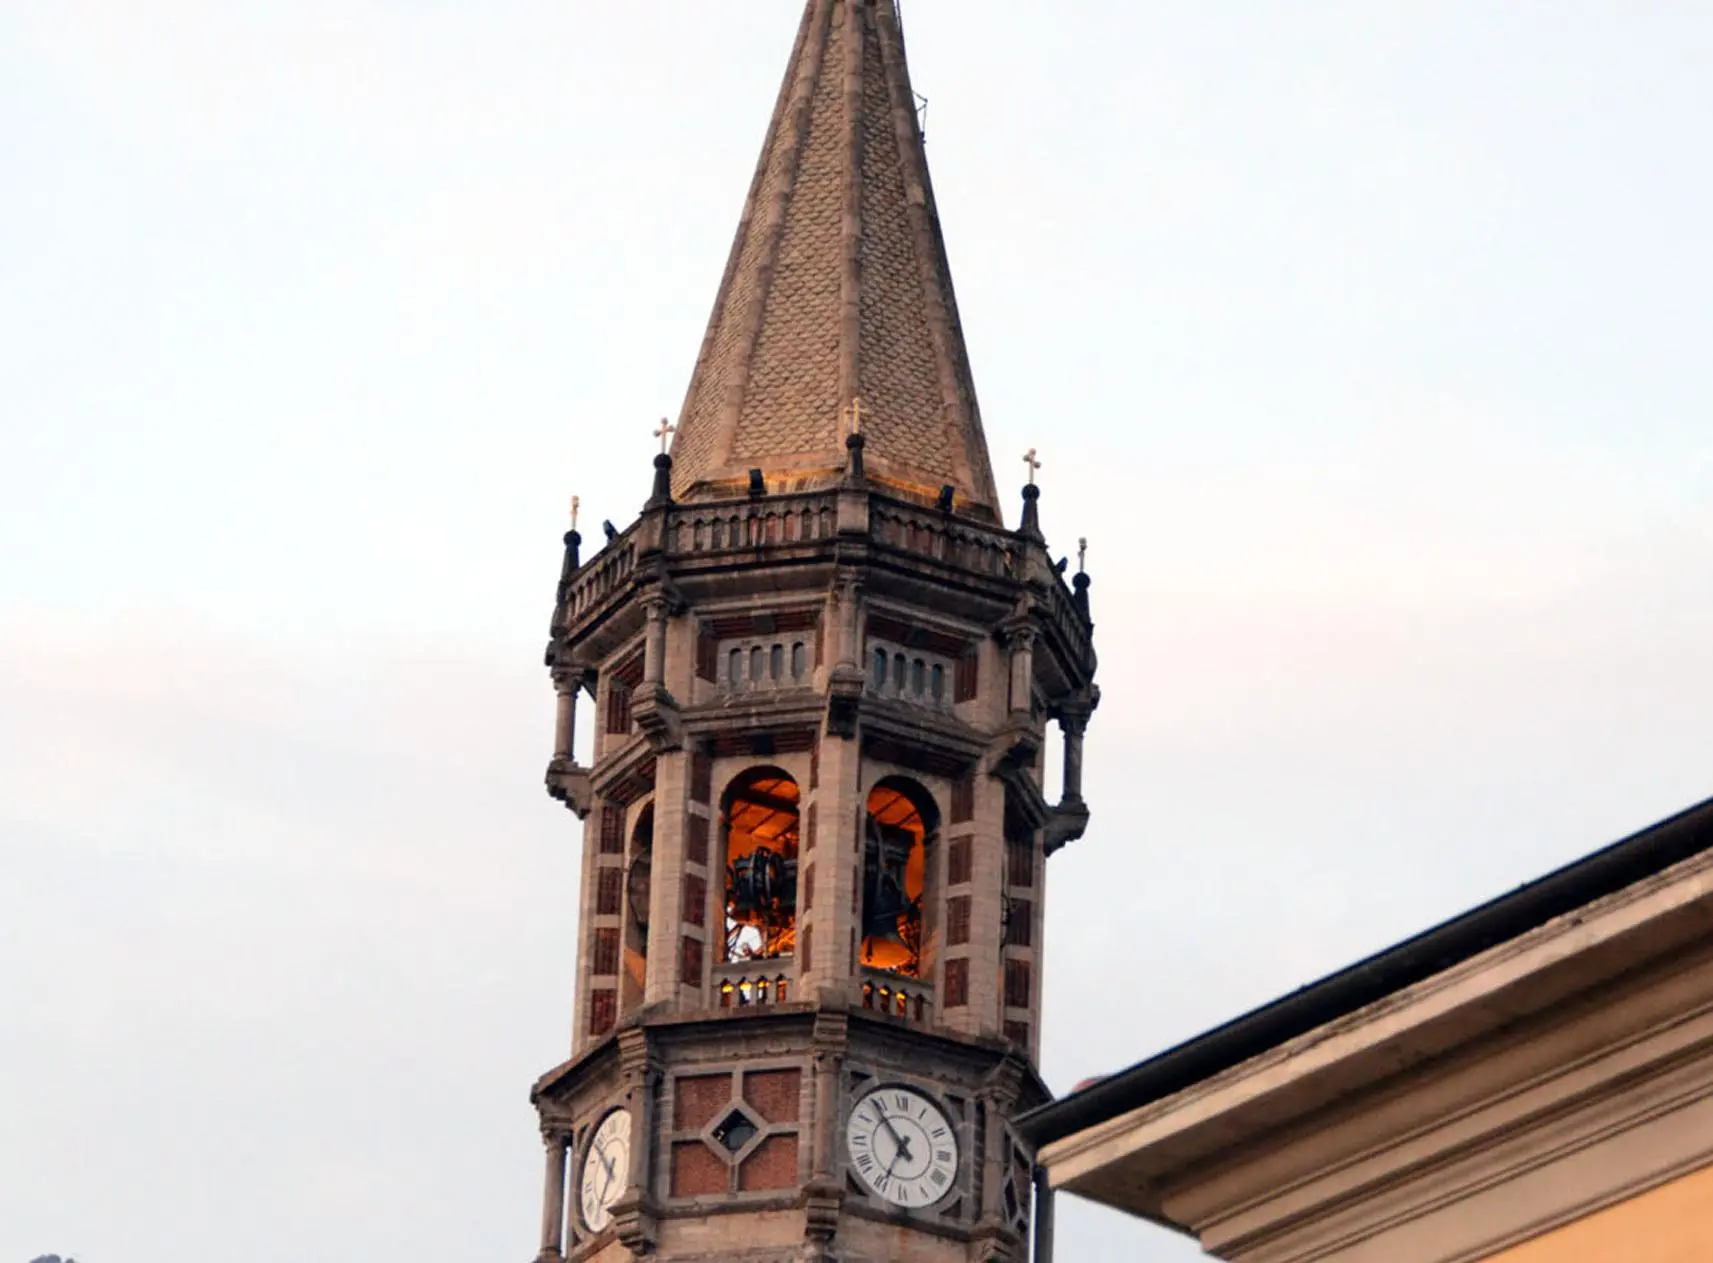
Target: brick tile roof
<point x="837" y="288"/>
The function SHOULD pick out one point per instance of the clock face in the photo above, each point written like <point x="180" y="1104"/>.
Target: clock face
<point x="606" y="1169"/>
<point x="902" y="1146"/>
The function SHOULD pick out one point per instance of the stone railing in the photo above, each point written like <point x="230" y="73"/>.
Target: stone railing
<point x="741" y="984"/>
<point x="910" y="675"/>
<point x="605" y="573"/>
<point x="1067" y="621"/>
<point x="905" y="998"/>
<point x="767" y="664"/>
<point x="747" y="526"/>
<point x="954" y="541"/>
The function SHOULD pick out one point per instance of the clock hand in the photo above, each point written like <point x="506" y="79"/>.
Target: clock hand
<point x="903" y="1150"/>
<point x="607" y="1168"/>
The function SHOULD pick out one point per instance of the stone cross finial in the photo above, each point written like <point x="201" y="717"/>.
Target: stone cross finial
<point x="1029" y="460"/>
<point x="1082" y="555"/>
<point x="854" y="415"/>
<point x="665" y="433"/>
<point x="576" y="504"/>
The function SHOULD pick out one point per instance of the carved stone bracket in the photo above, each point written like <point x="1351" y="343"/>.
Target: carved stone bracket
<point x="1068" y="822"/>
<point x="845" y="685"/>
<point x="657" y="716"/>
<point x="570" y="784"/>
<point x="822" y="1202"/>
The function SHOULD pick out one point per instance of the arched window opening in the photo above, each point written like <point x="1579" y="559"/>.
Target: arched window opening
<point x="799" y="660"/>
<point x="638" y="874"/>
<point x="734" y="668"/>
<point x="761" y="815"/>
<point x="757" y="665"/>
<point x="879" y="671"/>
<point x="901" y="820"/>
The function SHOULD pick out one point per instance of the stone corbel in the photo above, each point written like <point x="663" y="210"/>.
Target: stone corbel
<point x="570" y="784"/>
<point x="1068" y="822"/>
<point x="658" y="718"/>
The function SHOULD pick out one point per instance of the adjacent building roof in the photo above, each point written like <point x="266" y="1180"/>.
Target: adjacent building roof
<point x="1564" y="892"/>
<point x="837" y="291"/>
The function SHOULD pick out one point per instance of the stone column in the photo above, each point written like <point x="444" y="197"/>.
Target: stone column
<point x="1022" y="669"/>
<point x="553" y="1201"/>
<point x="654" y="644"/>
<point x="565" y="721"/>
<point x="1073" y="724"/>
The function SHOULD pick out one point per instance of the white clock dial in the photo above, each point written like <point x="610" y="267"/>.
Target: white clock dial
<point x="902" y="1146"/>
<point x="606" y="1170"/>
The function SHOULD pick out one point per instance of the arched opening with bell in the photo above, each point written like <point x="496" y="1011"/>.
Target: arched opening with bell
<point x="901" y="824"/>
<point x="638" y="873"/>
<point x="761" y="813"/>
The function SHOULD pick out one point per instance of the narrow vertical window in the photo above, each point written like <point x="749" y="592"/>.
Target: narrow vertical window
<point x="937" y="685"/>
<point x="776" y="663"/>
<point x="879" y="673"/>
<point x="734" y="668"/>
<point x="799" y="660"/>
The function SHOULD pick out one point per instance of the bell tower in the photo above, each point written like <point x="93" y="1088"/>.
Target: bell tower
<point x="821" y="673"/>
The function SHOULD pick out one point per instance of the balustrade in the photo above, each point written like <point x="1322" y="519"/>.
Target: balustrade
<point x="730" y="527"/>
<point x="896" y="996"/>
<point x="743" y="985"/>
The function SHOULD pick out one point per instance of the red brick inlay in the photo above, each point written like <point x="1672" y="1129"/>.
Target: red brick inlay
<point x="1017" y="979"/>
<point x="959" y="860"/>
<point x="690" y="961"/>
<point x="957" y="920"/>
<point x="773" y="1165"/>
<point x="696" y="1172"/>
<point x="603" y="1012"/>
<point x="1020" y="864"/>
<point x="696" y="845"/>
<point x="697" y="1098"/>
<point x="606" y="952"/>
<point x="774" y="1094"/>
<point x="612" y="829"/>
<point x="1020" y="924"/>
<point x="609" y="891"/>
<point x="695" y="900"/>
<point x="957" y="983"/>
<point x="963" y="800"/>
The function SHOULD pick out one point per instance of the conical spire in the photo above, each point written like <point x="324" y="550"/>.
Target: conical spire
<point x="836" y="308"/>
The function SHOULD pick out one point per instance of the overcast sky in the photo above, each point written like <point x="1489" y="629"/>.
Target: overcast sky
<point x="1368" y="343"/>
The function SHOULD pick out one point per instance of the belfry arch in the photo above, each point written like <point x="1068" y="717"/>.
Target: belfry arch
<point x="901" y="822"/>
<point x="761" y="814"/>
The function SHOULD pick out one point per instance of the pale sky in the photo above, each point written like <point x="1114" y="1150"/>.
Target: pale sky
<point x="1367" y="343"/>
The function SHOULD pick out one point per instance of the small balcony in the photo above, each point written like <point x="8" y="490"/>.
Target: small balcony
<point x="906" y="999"/>
<point x="744" y="984"/>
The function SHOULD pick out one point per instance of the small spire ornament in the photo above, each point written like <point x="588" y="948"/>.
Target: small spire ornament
<point x="665" y="433"/>
<point x="1029" y="460"/>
